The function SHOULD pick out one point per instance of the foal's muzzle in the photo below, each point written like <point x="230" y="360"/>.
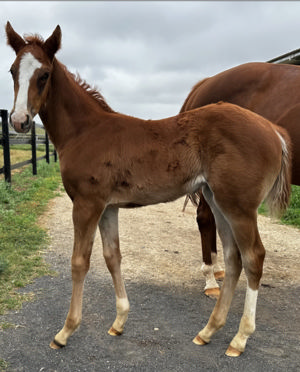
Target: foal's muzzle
<point x="20" y="123"/>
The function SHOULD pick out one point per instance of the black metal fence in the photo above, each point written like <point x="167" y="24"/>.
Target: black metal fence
<point x="7" y="139"/>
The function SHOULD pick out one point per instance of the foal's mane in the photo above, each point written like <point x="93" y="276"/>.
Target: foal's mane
<point x="92" y="92"/>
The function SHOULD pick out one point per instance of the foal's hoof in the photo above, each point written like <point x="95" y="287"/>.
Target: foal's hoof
<point x="56" y="345"/>
<point x="212" y="292"/>
<point x="219" y="274"/>
<point x="232" y="352"/>
<point x="198" y="341"/>
<point x="114" y="332"/>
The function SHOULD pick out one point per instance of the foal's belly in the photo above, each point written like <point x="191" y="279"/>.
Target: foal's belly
<point x="157" y="193"/>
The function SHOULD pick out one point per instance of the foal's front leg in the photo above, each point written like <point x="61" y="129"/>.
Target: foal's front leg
<point x="85" y="223"/>
<point x="108" y="225"/>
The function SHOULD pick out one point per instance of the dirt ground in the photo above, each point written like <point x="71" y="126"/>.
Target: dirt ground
<point x="162" y="271"/>
<point x="161" y="244"/>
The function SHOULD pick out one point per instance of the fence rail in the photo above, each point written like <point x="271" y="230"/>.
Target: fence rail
<point x="7" y="139"/>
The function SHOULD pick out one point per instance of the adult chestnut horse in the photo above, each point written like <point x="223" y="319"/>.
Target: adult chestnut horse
<point x="271" y="90"/>
<point x="110" y="161"/>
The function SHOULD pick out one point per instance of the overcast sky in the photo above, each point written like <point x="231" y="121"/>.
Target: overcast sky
<point x="145" y="56"/>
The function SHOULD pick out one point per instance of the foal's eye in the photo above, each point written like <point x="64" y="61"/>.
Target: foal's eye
<point x="41" y="81"/>
<point x="44" y="77"/>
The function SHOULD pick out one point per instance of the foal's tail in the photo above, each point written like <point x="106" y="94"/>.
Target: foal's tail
<point x="278" y="197"/>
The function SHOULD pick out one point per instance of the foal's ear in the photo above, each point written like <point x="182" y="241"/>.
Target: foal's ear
<point x="14" y="39"/>
<point x="52" y="44"/>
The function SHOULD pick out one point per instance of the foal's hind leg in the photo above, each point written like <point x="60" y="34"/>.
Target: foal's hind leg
<point x="110" y="239"/>
<point x="252" y="253"/>
<point x="85" y="224"/>
<point x="233" y="267"/>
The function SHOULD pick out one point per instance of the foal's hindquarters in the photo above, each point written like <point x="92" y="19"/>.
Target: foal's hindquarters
<point x="236" y="220"/>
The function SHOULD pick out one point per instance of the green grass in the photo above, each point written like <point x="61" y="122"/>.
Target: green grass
<point x="3" y="365"/>
<point x="6" y="325"/>
<point x="21" y="239"/>
<point x="292" y="214"/>
<point x="27" y="147"/>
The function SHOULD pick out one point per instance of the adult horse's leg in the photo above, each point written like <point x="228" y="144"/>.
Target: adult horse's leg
<point x="210" y="267"/>
<point x="108" y="225"/>
<point x="85" y="221"/>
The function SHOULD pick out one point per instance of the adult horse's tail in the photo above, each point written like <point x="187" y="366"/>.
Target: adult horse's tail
<point x="278" y="197"/>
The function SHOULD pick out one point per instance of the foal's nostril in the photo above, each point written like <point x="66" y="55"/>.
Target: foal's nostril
<point x="25" y="124"/>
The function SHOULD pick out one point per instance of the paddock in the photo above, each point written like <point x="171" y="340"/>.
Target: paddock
<point x="164" y="283"/>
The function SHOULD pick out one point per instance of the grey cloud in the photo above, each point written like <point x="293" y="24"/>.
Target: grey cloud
<point x="146" y="56"/>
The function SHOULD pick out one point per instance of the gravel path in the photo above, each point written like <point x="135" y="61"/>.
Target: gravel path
<point x="161" y="267"/>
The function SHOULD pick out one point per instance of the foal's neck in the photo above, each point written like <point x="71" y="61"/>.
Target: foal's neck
<point x="68" y="109"/>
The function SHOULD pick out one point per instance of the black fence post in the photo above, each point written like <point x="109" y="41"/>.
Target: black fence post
<point x="8" y="139"/>
<point x="47" y="148"/>
<point x="5" y="143"/>
<point x="33" y="149"/>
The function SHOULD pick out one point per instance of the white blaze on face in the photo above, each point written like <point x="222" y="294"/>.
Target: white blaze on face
<point x="28" y="65"/>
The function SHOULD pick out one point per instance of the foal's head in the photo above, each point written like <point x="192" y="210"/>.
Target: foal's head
<point x="31" y="72"/>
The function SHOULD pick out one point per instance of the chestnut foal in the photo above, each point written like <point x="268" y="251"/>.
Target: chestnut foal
<point x="110" y="161"/>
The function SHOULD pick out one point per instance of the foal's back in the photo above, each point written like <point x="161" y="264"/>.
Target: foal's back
<point x="131" y="161"/>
